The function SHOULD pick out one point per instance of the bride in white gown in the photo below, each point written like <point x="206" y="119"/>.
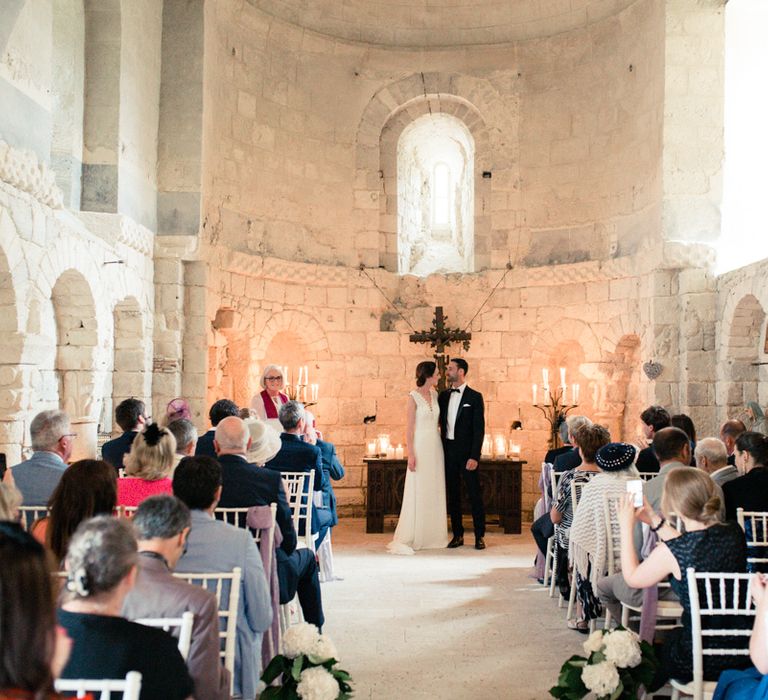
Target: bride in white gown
<point x="423" y="517"/>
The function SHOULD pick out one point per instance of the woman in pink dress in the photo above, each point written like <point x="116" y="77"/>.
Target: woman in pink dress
<point x="148" y="466"/>
<point x="267" y="403"/>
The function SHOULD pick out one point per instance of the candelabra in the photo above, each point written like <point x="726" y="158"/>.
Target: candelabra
<point x="555" y="412"/>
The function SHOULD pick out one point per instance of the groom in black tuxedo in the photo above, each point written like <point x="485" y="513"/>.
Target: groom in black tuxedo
<point x="462" y="426"/>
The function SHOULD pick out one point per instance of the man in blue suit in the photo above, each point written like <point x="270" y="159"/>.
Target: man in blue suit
<point x="332" y="469"/>
<point x="52" y="440"/>
<point x="131" y="416"/>
<point x="245" y="485"/>
<point x="295" y="455"/>
<point x="221" y="409"/>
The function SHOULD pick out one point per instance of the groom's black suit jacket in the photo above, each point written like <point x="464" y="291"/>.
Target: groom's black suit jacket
<point x="469" y="430"/>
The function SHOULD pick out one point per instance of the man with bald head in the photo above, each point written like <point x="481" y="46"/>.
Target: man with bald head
<point x="712" y="457"/>
<point x="244" y="485"/>
<point x="729" y="433"/>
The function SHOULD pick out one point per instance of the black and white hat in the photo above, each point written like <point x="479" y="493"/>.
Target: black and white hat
<point x="616" y="456"/>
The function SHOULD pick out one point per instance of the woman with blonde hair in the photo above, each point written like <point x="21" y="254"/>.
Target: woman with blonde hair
<point x="267" y="403"/>
<point x="148" y="466"/>
<point x="706" y="544"/>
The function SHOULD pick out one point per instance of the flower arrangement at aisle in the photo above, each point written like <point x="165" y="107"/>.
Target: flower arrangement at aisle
<point x="616" y="666"/>
<point x="306" y="668"/>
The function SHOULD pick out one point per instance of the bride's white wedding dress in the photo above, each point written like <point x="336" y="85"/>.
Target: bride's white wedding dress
<point x="423" y="516"/>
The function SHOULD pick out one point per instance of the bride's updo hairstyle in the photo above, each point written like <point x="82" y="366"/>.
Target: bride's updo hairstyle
<point x="691" y="493"/>
<point x="424" y="370"/>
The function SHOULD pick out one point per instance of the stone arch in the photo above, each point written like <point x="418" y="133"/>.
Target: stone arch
<point x="744" y="336"/>
<point x="390" y="111"/>
<point x="12" y="377"/>
<point x="303" y="325"/>
<point x="129" y="376"/>
<point x="230" y="363"/>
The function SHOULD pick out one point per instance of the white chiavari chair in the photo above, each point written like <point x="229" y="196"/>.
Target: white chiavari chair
<point x="550" y="561"/>
<point x="130" y="686"/>
<point x="29" y="514"/>
<point x="183" y="624"/>
<point x="299" y="488"/>
<point x="576" y="489"/>
<point x="755" y="527"/>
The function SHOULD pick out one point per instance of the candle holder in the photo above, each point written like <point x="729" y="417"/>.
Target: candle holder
<point x="300" y="392"/>
<point x="555" y="412"/>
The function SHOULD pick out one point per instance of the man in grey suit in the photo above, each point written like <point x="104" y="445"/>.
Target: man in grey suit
<point x="215" y="546"/>
<point x="712" y="457"/>
<point x="52" y="441"/>
<point x="162" y="525"/>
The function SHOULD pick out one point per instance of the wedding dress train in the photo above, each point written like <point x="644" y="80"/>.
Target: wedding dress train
<point x="423" y="515"/>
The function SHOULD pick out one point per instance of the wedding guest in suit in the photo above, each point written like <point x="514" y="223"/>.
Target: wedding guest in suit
<point x="332" y="467"/>
<point x="295" y="455"/>
<point x="88" y="488"/>
<point x="712" y="457"/>
<point x="221" y="409"/>
<point x="729" y="432"/>
<point x="131" y="416"/>
<point x="654" y="419"/>
<point x="268" y="402"/>
<point x="162" y="526"/>
<point x="147" y="466"/>
<point x="572" y="458"/>
<point x="565" y="438"/>
<point x="462" y="427"/>
<point x="214" y="545"/>
<point x="34" y="648"/>
<point x="750" y="491"/>
<point x="186" y="438"/>
<point x="101" y="567"/>
<point x="245" y="485"/>
<point x="52" y="440"/>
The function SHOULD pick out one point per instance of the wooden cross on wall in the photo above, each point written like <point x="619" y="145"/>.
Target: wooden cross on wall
<point x="439" y="336"/>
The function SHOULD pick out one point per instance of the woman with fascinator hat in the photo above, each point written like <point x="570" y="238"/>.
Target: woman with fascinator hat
<point x="588" y="546"/>
<point x="148" y="466"/>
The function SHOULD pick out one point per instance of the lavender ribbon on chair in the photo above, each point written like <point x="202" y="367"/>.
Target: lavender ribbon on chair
<point x="260" y="518"/>
<point x="650" y="595"/>
<point x="546" y="499"/>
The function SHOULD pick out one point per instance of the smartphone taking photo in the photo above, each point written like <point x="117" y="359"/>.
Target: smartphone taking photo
<point x="635" y="487"/>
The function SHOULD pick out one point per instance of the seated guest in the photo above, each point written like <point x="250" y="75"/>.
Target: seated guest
<point x="565" y="438"/>
<point x="265" y="442"/>
<point x="731" y="430"/>
<point x="214" y="545"/>
<point x="758" y="423"/>
<point x="220" y="410"/>
<point x="751" y="683"/>
<point x="654" y="419"/>
<point x="712" y="457"/>
<point x="52" y="440"/>
<point x="590" y="439"/>
<point x="332" y="467"/>
<point x="571" y="459"/>
<point x="244" y="485"/>
<point x="295" y="455"/>
<point x="10" y="500"/>
<point x="147" y="466"/>
<point x="162" y="528"/>
<point x="588" y="545"/>
<point x="185" y="435"/>
<point x="707" y="545"/>
<point x="177" y="409"/>
<point x="672" y="448"/>
<point x="88" y="488"/>
<point x="101" y="567"/>
<point x="34" y="649"/>
<point x="131" y="416"/>
<point x="750" y="491"/>
<point x="685" y="423"/>
<point x="268" y="402"/>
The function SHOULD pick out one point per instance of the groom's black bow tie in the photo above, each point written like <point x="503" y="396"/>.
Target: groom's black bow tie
<point x="458" y="391"/>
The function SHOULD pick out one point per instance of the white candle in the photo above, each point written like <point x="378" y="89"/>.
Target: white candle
<point x="383" y="443"/>
<point x="390" y="452"/>
<point x="535" y="393"/>
<point x="575" y="393"/>
<point x="315" y="391"/>
<point x="500" y="445"/>
<point x="486" y="449"/>
<point x="545" y="376"/>
<point x="514" y="450"/>
<point x="372" y="448"/>
<point x="306" y="374"/>
<point x="565" y="389"/>
<point x="562" y="376"/>
<point x="399" y="452"/>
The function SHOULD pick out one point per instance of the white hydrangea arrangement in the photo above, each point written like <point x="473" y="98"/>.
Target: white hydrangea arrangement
<point x="617" y="664"/>
<point x="306" y="668"/>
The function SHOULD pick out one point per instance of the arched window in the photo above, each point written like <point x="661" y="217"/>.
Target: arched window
<point x="436" y="193"/>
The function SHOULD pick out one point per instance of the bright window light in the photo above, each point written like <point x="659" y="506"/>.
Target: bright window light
<point x="441" y="196"/>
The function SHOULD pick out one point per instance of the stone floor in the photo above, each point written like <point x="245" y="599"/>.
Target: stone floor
<point x="444" y="623"/>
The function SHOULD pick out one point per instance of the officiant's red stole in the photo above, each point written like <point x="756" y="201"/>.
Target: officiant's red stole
<point x="269" y="404"/>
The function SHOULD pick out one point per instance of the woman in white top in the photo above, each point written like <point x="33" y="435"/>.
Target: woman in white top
<point x="423" y="515"/>
<point x="267" y="403"/>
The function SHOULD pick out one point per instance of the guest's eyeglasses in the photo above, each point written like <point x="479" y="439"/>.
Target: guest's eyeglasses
<point x="274" y="379"/>
<point x="69" y="435"/>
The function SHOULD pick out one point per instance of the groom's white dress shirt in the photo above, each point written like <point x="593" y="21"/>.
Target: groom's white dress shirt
<point x="453" y="409"/>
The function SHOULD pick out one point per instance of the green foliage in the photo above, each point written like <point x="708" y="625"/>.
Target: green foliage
<point x="288" y="673"/>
